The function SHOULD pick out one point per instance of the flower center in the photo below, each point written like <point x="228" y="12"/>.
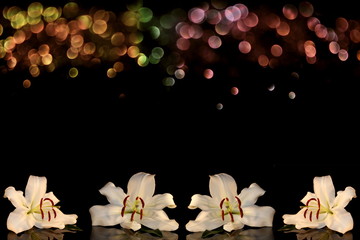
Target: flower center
<point x="227" y="208"/>
<point x="46" y="208"/>
<point x="135" y="208"/>
<point x="313" y="207"/>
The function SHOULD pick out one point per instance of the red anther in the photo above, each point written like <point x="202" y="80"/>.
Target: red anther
<point x="54" y="213"/>
<point x="232" y="217"/>
<point x="310" y="217"/>
<point x="124" y="206"/>
<point x="222" y="215"/>
<point x="49" y="216"/>
<point x="239" y="205"/>
<point x="222" y="202"/>
<point x="48" y="199"/>
<point x="141" y="214"/>
<point x="142" y="202"/>
<point x="308" y="201"/>
<point x="42" y="212"/>
<point x="132" y="216"/>
<point x="305" y="213"/>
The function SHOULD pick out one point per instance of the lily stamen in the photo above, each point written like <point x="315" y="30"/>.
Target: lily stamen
<point x="52" y="205"/>
<point x="308" y="206"/>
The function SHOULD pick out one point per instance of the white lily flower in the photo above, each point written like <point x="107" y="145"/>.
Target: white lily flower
<point x="37" y="208"/>
<point x="322" y="208"/>
<point x="139" y="206"/>
<point x="227" y="208"/>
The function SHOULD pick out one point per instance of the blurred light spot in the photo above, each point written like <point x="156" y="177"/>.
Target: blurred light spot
<point x="283" y="29"/>
<point x="157" y="52"/>
<point x="219" y="106"/>
<point x="154" y="32"/>
<point x="271" y="87"/>
<point x="145" y="14"/>
<point x="73" y="72"/>
<point x="70" y="10"/>
<point x="321" y="31"/>
<point x="234" y="91"/>
<point x="183" y="44"/>
<point x="232" y="13"/>
<point x="295" y="75"/>
<point x="11" y="62"/>
<point x="118" y="66"/>
<point x="310" y="50"/>
<point x="213" y="16"/>
<point x="334" y="47"/>
<point x="276" y="50"/>
<point x="244" y="47"/>
<point x="72" y="53"/>
<point x="251" y="20"/>
<point x="1" y="29"/>
<point x="292" y="95"/>
<point x="37" y="28"/>
<point x="84" y="22"/>
<point x="358" y="55"/>
<point x="355" y="35"/>
<point x="214" y="42"/>
<point x="272" y="20"/>
<point x="133" y="51"/>
<point x="179" y="73"/>
<point x="50" y="14"/>
<point x="111" y="73"/>
<point x="208" y="73"/>
<point x="196" y="15"/>
<point x="135" y="38"/>
<point x="99" y="26"/>
<point x="19" y="36"/>
<point x="77" y="41"/>
<point x="26" y="83"/>
<point x="18" y="20"/>
<point x="306" y="9"/>
<point x="290" y="11"/>
<point x="168" y="81"/>
<point x="89" y="48"/>
<point x="311" y="60"/>
<point x="9" y="44"/>
<point x="168" y="21"/>
<point x="47" y="59"/>
<point x="34" y="70"/>
<point x="312" y="22"/>
<point x="223" y="28"/>
<point x="341" y="24"/>
<point x="263" y="60"/>
<point x="35" y="10"/>
<point x="142" y="60"/>
<point x="343" y="55"/>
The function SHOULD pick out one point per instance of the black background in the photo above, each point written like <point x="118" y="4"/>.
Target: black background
<point x="80" y="135"/>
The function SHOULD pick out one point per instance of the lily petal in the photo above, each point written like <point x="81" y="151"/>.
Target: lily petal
<point x="300" y="222"/>
<point x="256" y="216"/>
<point x="250" y="195"/>
<point x="237" y="224"/>
<point x="115" y="195"/>
<point x="16" y="197"/>
<point x="203" y="202"/>
<point x="340" y="221"/>
<point x="35" y="190"/>
<point x="59" y="222"/>
<point x="308" y="196"/>
<point x="52" y="197"/>
<point x="108" y="215"/>
<point x="141" y="185"/>
<point x="161" y="201"/>
<point x="344" y="197"/>
<point x="221" y="186"/>
<point x="19" y="221"/>
<point x="204" y="221"/>
<point x="130" y="224"/>
<point x="159" y="220"/>
<point x="324" y="189"/>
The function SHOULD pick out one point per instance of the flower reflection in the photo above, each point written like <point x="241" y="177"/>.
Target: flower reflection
<point x="38" y="234"/>
<point x="321" y="234"/>
<point x="265" y="233"/>
<point x="106" y="233"/>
